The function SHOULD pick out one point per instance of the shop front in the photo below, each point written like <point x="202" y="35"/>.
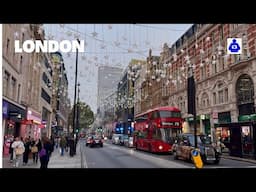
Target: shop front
<point x="33" y="125"/>
<point x="12" y="115"/>
<point x="240" y="138"/>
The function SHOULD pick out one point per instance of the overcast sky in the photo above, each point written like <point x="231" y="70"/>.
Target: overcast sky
<point x="112" y="45"/>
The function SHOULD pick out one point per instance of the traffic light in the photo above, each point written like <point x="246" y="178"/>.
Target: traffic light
<point x="77" y="130"/>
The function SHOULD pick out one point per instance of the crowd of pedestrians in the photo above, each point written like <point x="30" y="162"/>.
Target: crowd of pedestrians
<point x="21" y="150"/>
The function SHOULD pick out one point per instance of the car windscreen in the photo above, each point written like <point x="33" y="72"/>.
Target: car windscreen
<point x="200" y="139"/>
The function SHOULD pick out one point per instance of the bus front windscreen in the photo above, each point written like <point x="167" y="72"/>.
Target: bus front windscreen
<point x="167" y="135"/>
<point x="166" y="114"/>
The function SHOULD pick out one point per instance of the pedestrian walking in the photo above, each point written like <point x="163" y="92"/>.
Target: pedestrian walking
<point x="45" y="152"/>
<point x="18" y="150"/>
<point x="63" y="144"/>
<point x="27" y="145"/>
<point x="34" y="150"/>
<point x="11" y="150"/>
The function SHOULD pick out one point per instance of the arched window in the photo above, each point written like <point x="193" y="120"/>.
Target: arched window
<point x="244" y="90"/>
<point x="245" y="94"/>
<point x="205" y="100"/>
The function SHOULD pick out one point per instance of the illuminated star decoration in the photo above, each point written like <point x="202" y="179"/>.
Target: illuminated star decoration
<point x="94" y="34"/>
<point x="16" y="35"/>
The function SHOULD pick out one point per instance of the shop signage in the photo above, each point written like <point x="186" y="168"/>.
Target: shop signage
<point x="5" y="109"/>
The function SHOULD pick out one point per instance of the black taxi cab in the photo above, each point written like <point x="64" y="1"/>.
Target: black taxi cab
<point x="185" y="143"/>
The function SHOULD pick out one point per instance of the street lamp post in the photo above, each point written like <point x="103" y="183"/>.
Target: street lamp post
<point x="78" y="109"/>
<point x="191" y="88"/>
<point x="74" y="113"/>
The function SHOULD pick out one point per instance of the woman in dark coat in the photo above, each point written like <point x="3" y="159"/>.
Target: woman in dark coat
<point x="27" y="144"/>
<point x="47" y="145"/>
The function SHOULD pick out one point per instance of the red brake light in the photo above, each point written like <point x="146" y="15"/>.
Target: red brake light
<point x="158" y="123"/>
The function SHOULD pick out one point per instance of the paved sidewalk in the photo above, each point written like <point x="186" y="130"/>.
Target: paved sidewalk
<point x="227" y="156"/>
<point x="56" y="160"/>
<point x="66" y="161"/>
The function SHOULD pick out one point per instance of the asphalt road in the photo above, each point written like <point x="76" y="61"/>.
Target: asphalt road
<point x="115" y="156"/>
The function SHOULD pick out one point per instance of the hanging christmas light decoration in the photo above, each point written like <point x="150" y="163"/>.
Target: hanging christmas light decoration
<point x="201" y="51"/>
<point x="16" y="35"/>
<point x="208" y="38"/>
<point x="40" y="30"/>
<point x="94" y="34"/>
<point x="174" y="57"/>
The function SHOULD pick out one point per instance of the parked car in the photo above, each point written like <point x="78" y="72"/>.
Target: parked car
<point x="115" y="138"/>
<point x="122" y="139"/>
<point x="128" y="142"/>
<point x="184" y="144"/>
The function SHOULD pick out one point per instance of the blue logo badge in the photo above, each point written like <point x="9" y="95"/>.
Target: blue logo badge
<point x="234" y="46"/>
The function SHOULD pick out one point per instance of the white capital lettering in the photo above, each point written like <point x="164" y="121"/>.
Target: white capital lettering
<point x="28" y="46"/>
<point x="41" y="46"/>
<point x="53" y="46"/>
<point x="17" y="48"/>
<point x="78" y="45"/>
<point x="65" y="46"/>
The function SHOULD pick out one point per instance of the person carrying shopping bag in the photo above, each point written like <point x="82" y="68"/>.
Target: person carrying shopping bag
<point x="18" y="150"/>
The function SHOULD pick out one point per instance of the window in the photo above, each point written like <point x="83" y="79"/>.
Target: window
<point x="221" y="63"/>
<point x="23" y="38"/>
<point x="13" y="88"/>
<point x="203" y="70"/>
<point x="7" y="45"/>
<point x="5" y="83"/>
<point x="214" y="68"/>
<point x="18" y="95"/>
<point x="214" y="99"/>
<point x="234" y="26"/>
<point x="21" y="63"/>
<point x="45" y="96"/>
<point x="226" y="95"/>
<point x="221" y="32"/>
<point x="221" y="96"/>
<point x="164" y="114"/>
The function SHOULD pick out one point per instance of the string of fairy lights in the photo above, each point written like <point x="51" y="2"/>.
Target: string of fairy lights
<point x="106" y="45"/>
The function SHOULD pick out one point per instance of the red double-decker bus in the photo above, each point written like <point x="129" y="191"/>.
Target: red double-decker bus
<point x="156" y="129"/>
